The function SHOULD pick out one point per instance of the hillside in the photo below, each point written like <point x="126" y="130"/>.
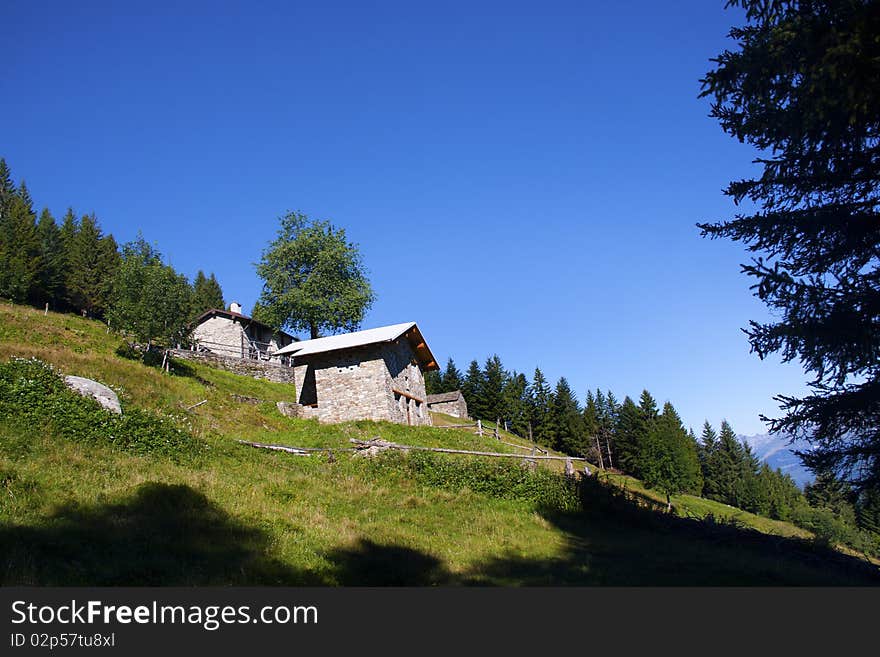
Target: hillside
<point x="76" y="510"/>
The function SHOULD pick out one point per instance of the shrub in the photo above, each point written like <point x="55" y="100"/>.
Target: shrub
<point x="32" y="392"/>
<point x="512" y="481"/>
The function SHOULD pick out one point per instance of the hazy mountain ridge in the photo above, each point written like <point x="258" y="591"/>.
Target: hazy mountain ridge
<point x="778" y="453"/>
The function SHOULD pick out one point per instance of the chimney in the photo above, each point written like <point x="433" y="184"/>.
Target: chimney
<point x="235" y="307"/>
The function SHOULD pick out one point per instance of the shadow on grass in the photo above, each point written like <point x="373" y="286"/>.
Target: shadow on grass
<point x="616" y="541"/>
<point x="162" y="535"/>
<point x="166" y="535"/>
<point x="374" y="564"/>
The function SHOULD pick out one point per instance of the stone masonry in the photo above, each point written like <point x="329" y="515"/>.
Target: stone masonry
<point x="258" y="369"/>
<point x="450" y="403"/>
<point x="380" y="381"/>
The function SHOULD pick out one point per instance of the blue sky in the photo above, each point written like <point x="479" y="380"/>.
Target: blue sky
<point x="522" y="178"/>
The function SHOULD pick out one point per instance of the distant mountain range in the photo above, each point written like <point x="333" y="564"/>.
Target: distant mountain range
<point x="776" y="451"/>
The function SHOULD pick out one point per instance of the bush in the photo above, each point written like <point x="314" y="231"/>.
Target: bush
<point x="33" y="393"/>
<point x="540" y="487"/>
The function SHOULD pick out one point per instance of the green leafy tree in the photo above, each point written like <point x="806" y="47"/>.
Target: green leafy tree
<point x="150" y="301"/>
<point x="803" y="87"/>
<point x="207" y="294"/>
<point x="313" y="279"/>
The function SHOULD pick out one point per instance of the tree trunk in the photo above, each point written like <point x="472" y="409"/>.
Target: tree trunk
<point x="313" y="329"/>
<point x="668" y="503"/>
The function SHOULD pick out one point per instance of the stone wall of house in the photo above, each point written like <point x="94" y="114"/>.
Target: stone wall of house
<point x="221" y="335"/>
<point x="359" y="384"/>
<point x="454" y="408"/>
<point x="406" y="376"/>
<point x="258" y="369"/>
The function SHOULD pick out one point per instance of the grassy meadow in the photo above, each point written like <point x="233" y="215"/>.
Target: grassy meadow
<point x="76" y="510"/>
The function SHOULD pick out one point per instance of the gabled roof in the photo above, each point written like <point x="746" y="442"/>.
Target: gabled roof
<point x="219" y="312"/>
<point x="409" y="330"/>
<point x="443" y="397"/>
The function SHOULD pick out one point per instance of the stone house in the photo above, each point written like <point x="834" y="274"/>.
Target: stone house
<point x="230" y="334"/>
<point x="450" y="403"/>
<point x="377" y="374"/>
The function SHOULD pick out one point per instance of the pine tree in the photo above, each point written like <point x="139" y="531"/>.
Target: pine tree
<point x="50" y="277"/>
<point x="515" y="404"/>
<point x="803" y="87"/>
<point x="207" y="294"/>
<point x="433" y="382"/>
<point x="569" y="434"/>
<point x="630" y="433"/>
<point x="669" y="459"/>
<point x="19" y="247"/>
<point x="93" y="260"/>
<point x="7" y="188"/>
<point x="708" y="452"/>
<point x="472" y="389"/>
<point x="452" y="378"/>
<point x="540" y="398"/>
<point x="494" y="380"/>
<point x="729" y="467"/>
<point x="648" y="407"/>
<point x="591" y="425"/>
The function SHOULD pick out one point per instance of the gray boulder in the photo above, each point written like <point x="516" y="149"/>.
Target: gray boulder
<point x="98" y="391"/>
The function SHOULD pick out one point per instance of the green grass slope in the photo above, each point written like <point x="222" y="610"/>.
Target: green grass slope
<point x="77" y="511"/>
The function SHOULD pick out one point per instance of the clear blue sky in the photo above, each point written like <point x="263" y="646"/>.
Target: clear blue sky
<point x="522" y="178"/>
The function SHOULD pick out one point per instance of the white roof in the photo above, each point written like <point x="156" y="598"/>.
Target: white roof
<point x="346" y="340"/>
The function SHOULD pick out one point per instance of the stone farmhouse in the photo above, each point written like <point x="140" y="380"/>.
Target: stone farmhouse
<point x="377" y="374"/>
<point x="450" y="403"/>
<point x="229" y="334"/>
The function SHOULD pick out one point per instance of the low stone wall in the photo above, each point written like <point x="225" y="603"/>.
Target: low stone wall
<point x="257" y="369"/>
<point x="453" y="408"/>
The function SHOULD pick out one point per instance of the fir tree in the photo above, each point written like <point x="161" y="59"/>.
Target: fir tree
<point x="540" y="399"/>
<point x="494" y="380"/>
<point x="92" y="263"/>
<point x="207" y="294"/>
<point x="50" y="277"/>
<point x="630" y="432"/>
<point x="568" y="423"/>
<point x="803" y="87"/>
<point x="452" y="378"/>
<point x="433" y="382"/>
<point x="669" y="459"/>
<point x="729" y="467"/>
<point x="7" y="188"/>
<point x="19" y="248"/>
<point x="515" y="404"/>
<point x="472" y="389"/>
<point x="708" y="452"/>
